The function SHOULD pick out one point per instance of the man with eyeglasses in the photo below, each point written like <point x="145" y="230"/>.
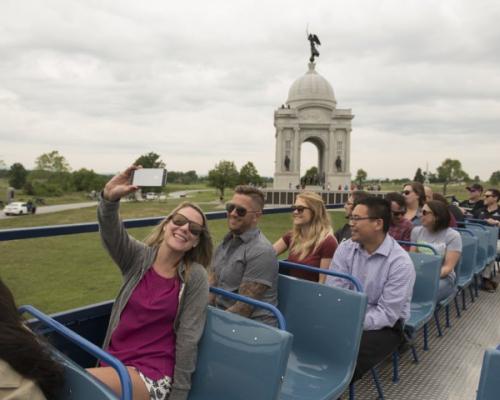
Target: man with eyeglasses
<point x="474" y="204"/>
<point x="387" y="274"/>
<point x="491" y="215"/>
<point x="245" y="261"/>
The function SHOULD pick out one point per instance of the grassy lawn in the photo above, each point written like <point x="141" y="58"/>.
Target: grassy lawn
<point x="60" y="273"/>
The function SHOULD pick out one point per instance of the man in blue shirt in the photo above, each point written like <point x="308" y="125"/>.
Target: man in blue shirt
<point x="387" y="274"/>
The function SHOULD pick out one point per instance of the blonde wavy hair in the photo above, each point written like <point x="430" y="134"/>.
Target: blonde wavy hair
<point x="305" y="239"/>
<point x="202" y="253"/>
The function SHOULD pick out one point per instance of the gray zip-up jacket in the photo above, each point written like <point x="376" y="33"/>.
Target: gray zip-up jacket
<point x="134" y="258"/>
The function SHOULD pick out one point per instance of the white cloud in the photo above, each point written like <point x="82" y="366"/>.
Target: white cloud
<point x="197" y="82"/>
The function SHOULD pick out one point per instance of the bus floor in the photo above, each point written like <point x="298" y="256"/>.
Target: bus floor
<point x="450" y="369"/>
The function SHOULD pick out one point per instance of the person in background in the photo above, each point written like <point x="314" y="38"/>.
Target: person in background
<point x="456" y="214"/>
<point x="447" y="242"/>
<point x="159" y="315"/>
<point x="386" y="272"/>
<point x="473" y="204"/>
<point x="311" y="241"/>
<point x="428" y="193"/>
<point x="491" y="215"/>
<point x="344" y="233"/>
<point x="245" y="261"/>
<point x="414" y="194"/>
<point x="400" y="228"/>
<point x="27" y="369"/>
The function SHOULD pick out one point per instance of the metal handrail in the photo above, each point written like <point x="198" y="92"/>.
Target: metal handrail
<point x="125" y="381"/>
<point x="256" y="303"/>
<point x="288" y="264"/>
<point x="425" y="245"/>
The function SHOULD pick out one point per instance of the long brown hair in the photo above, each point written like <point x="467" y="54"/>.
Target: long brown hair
<point x="306" y="239"/>
<point x="202" y="253"/>
<point x="27" y="354"/>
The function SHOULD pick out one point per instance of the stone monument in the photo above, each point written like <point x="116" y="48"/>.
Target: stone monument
<point x="311" y="115"/>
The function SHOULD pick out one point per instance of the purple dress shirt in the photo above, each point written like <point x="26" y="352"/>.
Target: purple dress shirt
<point x="387" y="276"/>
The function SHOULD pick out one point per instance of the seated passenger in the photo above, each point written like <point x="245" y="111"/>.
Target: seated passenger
<point x="400" y="228"/>
<point x="159" y="314"/>
<point x="473" y="204"/>
<point x="344" y="233"/>
<point x="491" y="214"/>
<point x="455" y="213"/>
<point x="414" y="194"/>
<point x="387" y="274"/>
<point x="27" y="370"/>
<point x="447" y="242"/>
<point x="245" y="261"/>
<point x="311" y="241"/>
<point x="428" y="193"/>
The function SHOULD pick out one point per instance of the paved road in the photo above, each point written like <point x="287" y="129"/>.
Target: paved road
<point x="56" y="208"/>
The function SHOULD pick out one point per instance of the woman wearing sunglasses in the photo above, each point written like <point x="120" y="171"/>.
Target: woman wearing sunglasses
<point x="414" y="194"/>
<point x="159" y="314"/>
<point x="448" y="243"/>
<point x="311" y="241"/>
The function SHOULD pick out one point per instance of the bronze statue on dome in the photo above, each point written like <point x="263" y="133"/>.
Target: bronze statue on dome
<point x="314" y="40"/>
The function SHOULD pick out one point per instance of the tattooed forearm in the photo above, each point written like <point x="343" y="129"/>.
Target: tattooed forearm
<point x="248" y="289"/>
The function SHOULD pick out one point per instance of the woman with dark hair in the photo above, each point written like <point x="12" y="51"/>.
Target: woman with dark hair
<point x="447" y="242"/>
<point x="159" y="315"/>
<point x="414" y="194"/>
<point x="27" y="370"/>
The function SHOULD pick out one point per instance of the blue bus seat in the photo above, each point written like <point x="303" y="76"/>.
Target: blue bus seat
<point x="468" y="257"/>
<point x="239" y="358"/>
<point x="423" y="302"/>
<point x="483" y="244"/>
<point x="489" y="384"/>
<point x="79" y="384"/>
<point x="327" y="323"/>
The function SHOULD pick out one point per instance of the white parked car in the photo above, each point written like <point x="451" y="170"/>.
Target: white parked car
<point x="17" y="208"/>
<point x="151" y="196"/>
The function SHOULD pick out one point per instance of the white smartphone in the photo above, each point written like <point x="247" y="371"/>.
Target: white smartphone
<point x="149" y="177"/>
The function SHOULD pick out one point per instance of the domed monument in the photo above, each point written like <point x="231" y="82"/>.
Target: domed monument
<point x="311" y="115"/>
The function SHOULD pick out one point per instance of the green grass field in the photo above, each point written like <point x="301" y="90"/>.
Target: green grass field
<point x="59" y="273"/>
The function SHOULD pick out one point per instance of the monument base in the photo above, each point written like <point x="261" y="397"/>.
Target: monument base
<point x="287" y="197"/>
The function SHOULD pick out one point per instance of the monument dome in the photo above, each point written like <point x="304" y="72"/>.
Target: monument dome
<point x="311" y="88"/>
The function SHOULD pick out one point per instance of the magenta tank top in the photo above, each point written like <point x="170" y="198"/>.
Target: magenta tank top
<point x="145" y="337"/>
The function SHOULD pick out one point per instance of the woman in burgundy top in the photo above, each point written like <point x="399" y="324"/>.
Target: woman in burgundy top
<point x="311" y="241"/>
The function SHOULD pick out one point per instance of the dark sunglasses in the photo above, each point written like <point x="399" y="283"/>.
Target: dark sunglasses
<point x="425" y="212"/>
<point x="398" y="213"/>
<point x="406" y="192"/>
<point x="181" y="220"/>
<point x="299" y="209"/>
<point x="488" y="195"/>
<point x="241" y="211"/>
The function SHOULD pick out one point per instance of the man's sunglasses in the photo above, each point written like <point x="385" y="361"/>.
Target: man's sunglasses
<point x="398" y="213"/>
<point x="181" y="220"/>
<point x="299" y="209"/>
<point x="241" y="211"/>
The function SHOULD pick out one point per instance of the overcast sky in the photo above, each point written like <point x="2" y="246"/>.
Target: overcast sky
<point x="197" y="82"/>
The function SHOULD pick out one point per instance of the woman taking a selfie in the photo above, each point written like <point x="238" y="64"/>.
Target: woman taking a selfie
<point x="159" y="314"/>
<point x="311" y="241"/>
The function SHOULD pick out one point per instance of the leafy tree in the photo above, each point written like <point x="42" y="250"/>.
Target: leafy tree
<point x="310" y="176"/>
<point x="17" y="175"/>
<point x="450" y="171"/>
<point x="52" y="162"/>
<point x="495" y="178"/>
<point x="150" y="160"/>
<point x="87" y="180"/>
<point x="419" y="177"/>
<point x="223" y="175"/>
<point x="361" y="176"/>
<point x="182" y="177"/>
<point x="249" y="175"/>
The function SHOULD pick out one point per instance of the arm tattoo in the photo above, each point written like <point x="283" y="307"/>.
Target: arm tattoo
<point x="249" y="289"/>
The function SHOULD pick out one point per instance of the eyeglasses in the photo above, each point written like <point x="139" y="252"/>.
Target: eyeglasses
<point x="426" y="212"/>
<point x="299" y="209"/>
<point x="181" y="220"/>
<point x="353" y="219"/>
<point x="241" y="211"/>
<point x="406" y="192"/>
<point x="473" y="190"/>
<point x="488" y="195"/>
<point x="398" y="213"/>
